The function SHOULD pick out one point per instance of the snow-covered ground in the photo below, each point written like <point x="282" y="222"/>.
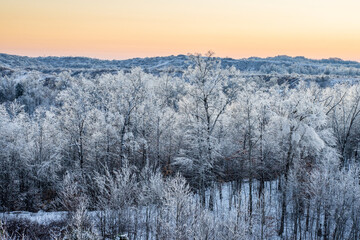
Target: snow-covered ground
<point x="40" y="217"/>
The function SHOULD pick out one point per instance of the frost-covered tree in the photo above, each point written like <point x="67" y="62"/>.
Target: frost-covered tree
<point x="343" y="104"/>
<point x="116" y="195"/>
<point x="74" y="120"/>
<point x="209" y="92"/>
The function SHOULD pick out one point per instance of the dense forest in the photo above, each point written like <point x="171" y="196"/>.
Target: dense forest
<point x="201" y="153"/>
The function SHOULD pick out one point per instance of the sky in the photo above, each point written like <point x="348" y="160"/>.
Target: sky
<point x="121" y="29"/>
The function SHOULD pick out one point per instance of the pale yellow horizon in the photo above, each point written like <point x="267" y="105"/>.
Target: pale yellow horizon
<point x="122" y="29"/>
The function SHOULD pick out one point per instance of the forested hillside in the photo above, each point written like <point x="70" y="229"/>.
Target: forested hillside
<point x="185" y="147"/>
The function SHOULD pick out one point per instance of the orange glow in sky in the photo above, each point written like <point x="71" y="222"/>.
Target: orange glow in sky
<point x="120" y="29"/>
